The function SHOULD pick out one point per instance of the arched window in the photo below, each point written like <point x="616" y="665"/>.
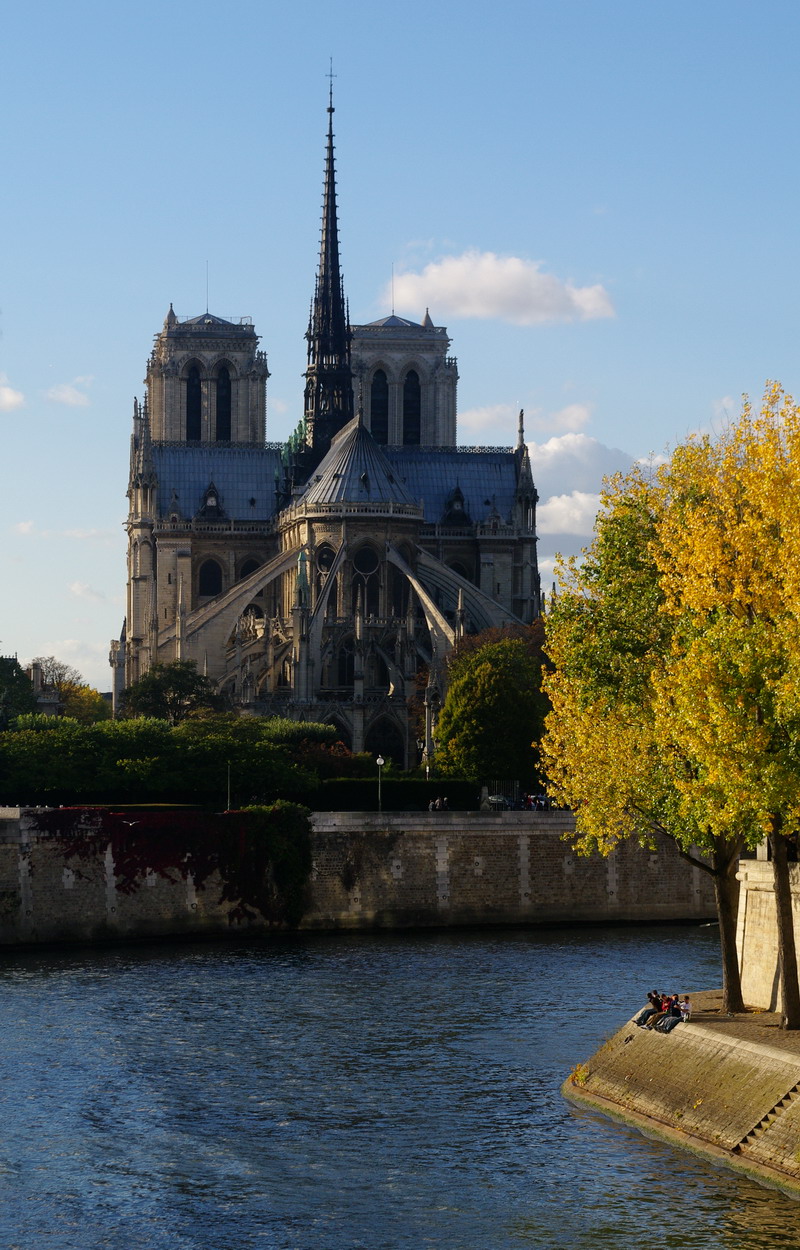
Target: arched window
<point x="193" y="405"/>
<point x="366" y="581"/>
<point x="412" y="409"/>
<point x="247" y="568"/>
<point x="346" y="665"/>
<point x="379" y="407"/>
<point x="209" y="580"/>
<point x="223" y="405"/>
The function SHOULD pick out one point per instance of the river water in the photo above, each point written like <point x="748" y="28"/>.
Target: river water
<point x="390" y="1092"/>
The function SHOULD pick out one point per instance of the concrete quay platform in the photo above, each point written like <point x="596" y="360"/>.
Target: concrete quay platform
<point x="726" y="1087"/>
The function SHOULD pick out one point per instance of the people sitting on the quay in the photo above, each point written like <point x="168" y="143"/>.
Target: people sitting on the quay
<point x="653" y="1005"/>
<point x="683" y="1016"/>
<point x="668" y="1001"/>
<point x="663" y="1012"/>
<point x="669" y="1018"/>
<point x="679" y="1012"/>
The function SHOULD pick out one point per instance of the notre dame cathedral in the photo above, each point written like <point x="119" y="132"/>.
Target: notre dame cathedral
<point x="318" y="579"/>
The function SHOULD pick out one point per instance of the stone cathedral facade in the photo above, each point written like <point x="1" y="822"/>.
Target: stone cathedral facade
<point x="327" y="578"/>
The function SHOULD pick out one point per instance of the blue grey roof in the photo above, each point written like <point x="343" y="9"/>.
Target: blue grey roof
<point x="395" y="321"/>
<point x="405" y="475"/>
<point x="355" y="470"/>
<point x="487" y="478"/>
<point x="239" y="474"/>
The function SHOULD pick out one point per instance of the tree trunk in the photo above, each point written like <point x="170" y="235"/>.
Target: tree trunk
<point x="787" y="954"/>
<point x="726" y="890"/>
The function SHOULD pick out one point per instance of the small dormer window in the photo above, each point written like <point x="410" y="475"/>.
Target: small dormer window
<point x="211" y="507"/>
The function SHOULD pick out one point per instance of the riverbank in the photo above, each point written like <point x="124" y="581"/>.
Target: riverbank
<point x="725" y="1087"/>
<point x="391" y="870"/>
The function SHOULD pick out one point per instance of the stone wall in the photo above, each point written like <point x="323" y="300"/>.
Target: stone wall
<point x="446" y="868"/>
<point x="757" y="936"/>
<point x="398" y="870"/>
<point x="725" y="1096"/>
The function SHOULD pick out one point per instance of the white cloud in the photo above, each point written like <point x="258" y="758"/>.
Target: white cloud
<point x="23" y="527"/>
<point x="496" y="424"/>
<point x="572" y="417"/>
<point x="9" y="398"/>
<point x="82" y="590"/>
<point x="483" y="284"/>
<point x="69" y="393"/>
<point x="568" y="514"/>
<point x="574" y="462"/>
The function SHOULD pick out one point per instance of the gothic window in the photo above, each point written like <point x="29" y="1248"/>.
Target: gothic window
<point x="223" y="405"/>
<point x="193" y="405"/>
<point x="346" y="666"/>
<point x="399" y="588"/>
<point x="384" y="738"/>
<point x="209" y="580"/>
<point x="412" y="409"/>
<point x="366" y="581"/>
<point x="379" y="407"/>
<point x="247" y="568"/>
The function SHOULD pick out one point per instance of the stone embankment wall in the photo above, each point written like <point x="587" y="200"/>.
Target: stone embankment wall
<point x="729" y="1098"/>
<point x="757" y="935"/>
<point x="393" y="871"/>
<point x="441" y="868"/>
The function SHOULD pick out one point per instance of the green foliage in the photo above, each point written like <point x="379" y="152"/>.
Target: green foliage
<point x="56" y="760"/>
<point x="16" y="691"/>
<point x="84" y="704"/>
<point x="38" y="721"/>
<point x="492" y="718"/>
<point x="172" y="692"/>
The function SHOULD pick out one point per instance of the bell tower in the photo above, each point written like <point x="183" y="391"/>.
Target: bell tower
<point x="207" y="382"/>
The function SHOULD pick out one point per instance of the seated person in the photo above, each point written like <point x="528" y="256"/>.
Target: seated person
<point x="653" y="1005"/>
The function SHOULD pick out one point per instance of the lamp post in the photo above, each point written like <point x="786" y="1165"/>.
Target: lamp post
<point x="380" y="761"/>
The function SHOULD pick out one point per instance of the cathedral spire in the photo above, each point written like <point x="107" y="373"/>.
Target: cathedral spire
<point x="329" y="381"/>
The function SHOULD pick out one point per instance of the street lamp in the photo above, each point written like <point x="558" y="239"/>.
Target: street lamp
<point x="380" y="761"/>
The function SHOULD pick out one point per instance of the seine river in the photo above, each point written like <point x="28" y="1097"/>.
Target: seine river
<point x="388" y="1092"/>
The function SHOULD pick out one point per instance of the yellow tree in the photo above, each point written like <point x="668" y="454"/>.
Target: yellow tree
<point x="610" y="640"/>
<point x="728" y="553"/>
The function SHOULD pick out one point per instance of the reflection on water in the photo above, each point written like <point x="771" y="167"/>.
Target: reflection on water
<point x="332" y="1093"/>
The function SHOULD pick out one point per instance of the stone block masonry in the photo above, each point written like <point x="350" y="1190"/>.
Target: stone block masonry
<point x="370" y="871"/>
<point x="714" y="1087"/>
<point x="403" y="869"/>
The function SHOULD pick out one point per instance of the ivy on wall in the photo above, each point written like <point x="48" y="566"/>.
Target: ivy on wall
<point x="261" y="856"/>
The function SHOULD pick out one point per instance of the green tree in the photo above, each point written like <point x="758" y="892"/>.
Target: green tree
<point x="83" y="703"/>
<point x="172" y="692"/>
<point x="492" y="717"/>
<point x="677" y="664"/>
<point x="728" y="554"/>
<point x="16" y="691"/>
<point x="608" y="638"/>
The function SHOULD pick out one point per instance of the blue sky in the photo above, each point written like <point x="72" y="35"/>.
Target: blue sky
<point x="599" y="199"/>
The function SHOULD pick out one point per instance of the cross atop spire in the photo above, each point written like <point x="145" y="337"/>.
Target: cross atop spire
<point x="329" y="385"/>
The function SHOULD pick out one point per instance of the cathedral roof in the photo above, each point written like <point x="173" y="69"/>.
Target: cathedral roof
<point x="487" y="478"/>
<point x="356" y="470"/>
<point x="394" y="322"/>
<point x="244" y="477"/>
<point x="207" y="319"/>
